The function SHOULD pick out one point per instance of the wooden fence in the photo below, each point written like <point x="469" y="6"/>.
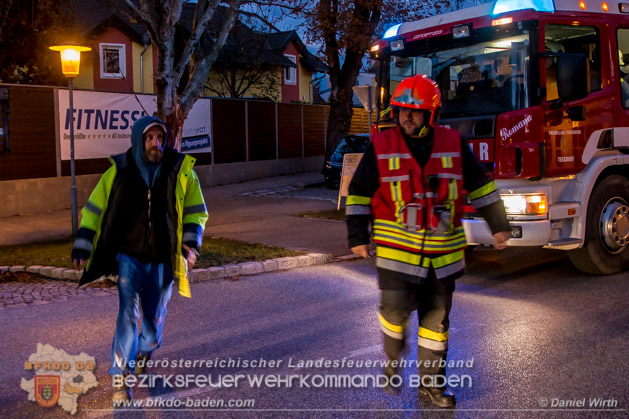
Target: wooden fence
<point x="242" y="131"/>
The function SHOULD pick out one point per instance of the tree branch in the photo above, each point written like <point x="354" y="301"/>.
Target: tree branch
<point x="195" y="38"/>
<point x="260" y="18"/>
<point x="142" y="15"/>
<point x="202" y="69"/>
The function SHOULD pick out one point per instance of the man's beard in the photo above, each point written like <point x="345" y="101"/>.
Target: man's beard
<point x="415" y="131"/>
<point x="153" y="155"/>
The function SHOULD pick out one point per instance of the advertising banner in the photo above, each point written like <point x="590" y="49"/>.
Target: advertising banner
<point x="103" y="121"/>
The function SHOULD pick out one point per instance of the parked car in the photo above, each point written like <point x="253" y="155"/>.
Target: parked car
<point x="353" y="143"/>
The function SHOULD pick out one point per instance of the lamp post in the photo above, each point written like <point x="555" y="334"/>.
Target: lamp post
<point x="70" y="63"/>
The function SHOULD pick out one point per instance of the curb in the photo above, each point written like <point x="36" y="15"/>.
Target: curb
<point x="198" y="275"/>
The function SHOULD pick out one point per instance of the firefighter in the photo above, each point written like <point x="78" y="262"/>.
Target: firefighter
<point x="409" y="187"/>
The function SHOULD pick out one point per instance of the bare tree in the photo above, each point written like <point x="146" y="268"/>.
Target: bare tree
<point x="185" y="55"/>
<point x="346" y="28"/>
<point x="245" y="63"/>
<point x="181" y="74"/>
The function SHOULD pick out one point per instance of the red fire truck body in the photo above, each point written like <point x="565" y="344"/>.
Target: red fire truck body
<point x="536" y="88"/>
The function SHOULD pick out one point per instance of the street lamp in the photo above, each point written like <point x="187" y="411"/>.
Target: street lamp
<point x="70" y="63"/>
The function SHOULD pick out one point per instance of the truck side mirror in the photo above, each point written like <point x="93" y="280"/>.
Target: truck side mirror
<point x="573" y="76"/>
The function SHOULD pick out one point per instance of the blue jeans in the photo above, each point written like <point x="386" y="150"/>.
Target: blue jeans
<point x="150" y="284"/>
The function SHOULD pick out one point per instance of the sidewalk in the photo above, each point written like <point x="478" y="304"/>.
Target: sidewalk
<point x="261" y="211"/>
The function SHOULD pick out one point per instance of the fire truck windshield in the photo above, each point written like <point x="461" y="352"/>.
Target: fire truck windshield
<point x="486" y="76"/>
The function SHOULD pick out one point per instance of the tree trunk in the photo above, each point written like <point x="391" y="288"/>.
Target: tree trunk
<point x="341" y="101"/>
<point x="339" y="122"/>
<point x="174" y="123"/>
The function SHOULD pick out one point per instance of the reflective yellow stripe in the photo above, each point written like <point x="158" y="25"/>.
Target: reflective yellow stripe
<point x="483" y="190"/>
<point x="396" y="195"/>
<point x="437" y="238"/>
<point x="453" y="192"/>
<point x="357" y="200"/>
<point x="446" y="162"/>
<point x="393" y="227"/>
<point x="386" y="236"/>
<point x="447" y="259"/>
<point x="413" y="259"/>
<point x="429" y="334"/>
<point x="391" y="327"/>
<point x="454" y="244"/>
<point x="394" y="163"/>
<point x="402" y="256"/>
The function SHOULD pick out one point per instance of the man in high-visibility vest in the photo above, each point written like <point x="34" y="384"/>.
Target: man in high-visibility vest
<point x="144" y="222"/>
<point x="409" y="186"/>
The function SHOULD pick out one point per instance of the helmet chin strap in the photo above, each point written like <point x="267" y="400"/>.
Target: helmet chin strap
<point x="422" y="132"/>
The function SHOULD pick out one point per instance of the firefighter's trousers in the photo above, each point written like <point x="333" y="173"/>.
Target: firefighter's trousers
<point x="433" y="300"/>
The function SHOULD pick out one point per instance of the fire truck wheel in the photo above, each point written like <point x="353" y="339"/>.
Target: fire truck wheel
<point x="606" y="249"/>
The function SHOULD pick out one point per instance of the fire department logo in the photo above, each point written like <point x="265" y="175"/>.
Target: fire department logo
<point x="47" y="388"/>
<point x="58" y="378"/>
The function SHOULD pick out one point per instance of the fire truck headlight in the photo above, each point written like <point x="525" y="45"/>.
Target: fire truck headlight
<point x="525" y="204"/>
<point x="397" y="45"/>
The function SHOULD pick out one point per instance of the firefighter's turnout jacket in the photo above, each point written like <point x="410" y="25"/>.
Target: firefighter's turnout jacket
<point x="413" y="189"/>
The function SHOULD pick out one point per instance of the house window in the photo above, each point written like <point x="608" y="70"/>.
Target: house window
<point x="112" y="61"/>
<point x="290" y="73"/>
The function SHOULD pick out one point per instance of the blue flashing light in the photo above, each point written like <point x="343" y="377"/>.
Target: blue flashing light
<point x="504" y="6"/>
<point x="392" y="31"/>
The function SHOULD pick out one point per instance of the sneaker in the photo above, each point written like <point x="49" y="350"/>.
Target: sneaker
<point x="121" y="395"/>
<point x="439" y="396"/>
<point x="140" y="365"/>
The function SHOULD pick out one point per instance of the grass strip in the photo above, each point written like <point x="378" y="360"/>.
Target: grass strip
<point x="215" y="251"/>
<point x="324" y="215"/>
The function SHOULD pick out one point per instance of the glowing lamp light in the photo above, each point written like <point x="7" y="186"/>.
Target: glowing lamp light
<point x="503" y="21"/>
<point x="505" y="6"/>
<point x="392" y="31"/>
<point x="525" y="204"/>
<point x="70" y="64"/>
<point x="582" y="5"/>
<point x="605" y="8"/>
<point x="70" y="58"/>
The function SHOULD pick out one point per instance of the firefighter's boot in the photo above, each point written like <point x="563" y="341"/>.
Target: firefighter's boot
<point x="392" y="348"/>
<point x="439" y="396"/>
<point x="390" y="372"/>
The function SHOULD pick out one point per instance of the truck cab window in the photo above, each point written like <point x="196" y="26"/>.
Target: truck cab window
<point x="561" y="39"/>
<point x="623" y="65"/>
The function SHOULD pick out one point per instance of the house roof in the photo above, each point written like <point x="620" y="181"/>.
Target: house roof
<point x="280" y="40"/>
<point x="95" y="16"/>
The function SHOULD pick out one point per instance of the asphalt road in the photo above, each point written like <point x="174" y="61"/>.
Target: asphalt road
<point x="531" y="331"/>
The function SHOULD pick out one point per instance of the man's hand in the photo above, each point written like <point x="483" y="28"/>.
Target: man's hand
<point x="192" y="256"/>
<point x="78" y="264"/>
<point x="362" y="250"/>
<point x="501" y="238"/>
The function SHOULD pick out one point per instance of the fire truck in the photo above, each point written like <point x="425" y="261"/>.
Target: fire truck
<point x="537" y="90"/>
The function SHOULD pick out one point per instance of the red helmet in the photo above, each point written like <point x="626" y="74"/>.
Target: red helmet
<point x="417" y="92"/>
